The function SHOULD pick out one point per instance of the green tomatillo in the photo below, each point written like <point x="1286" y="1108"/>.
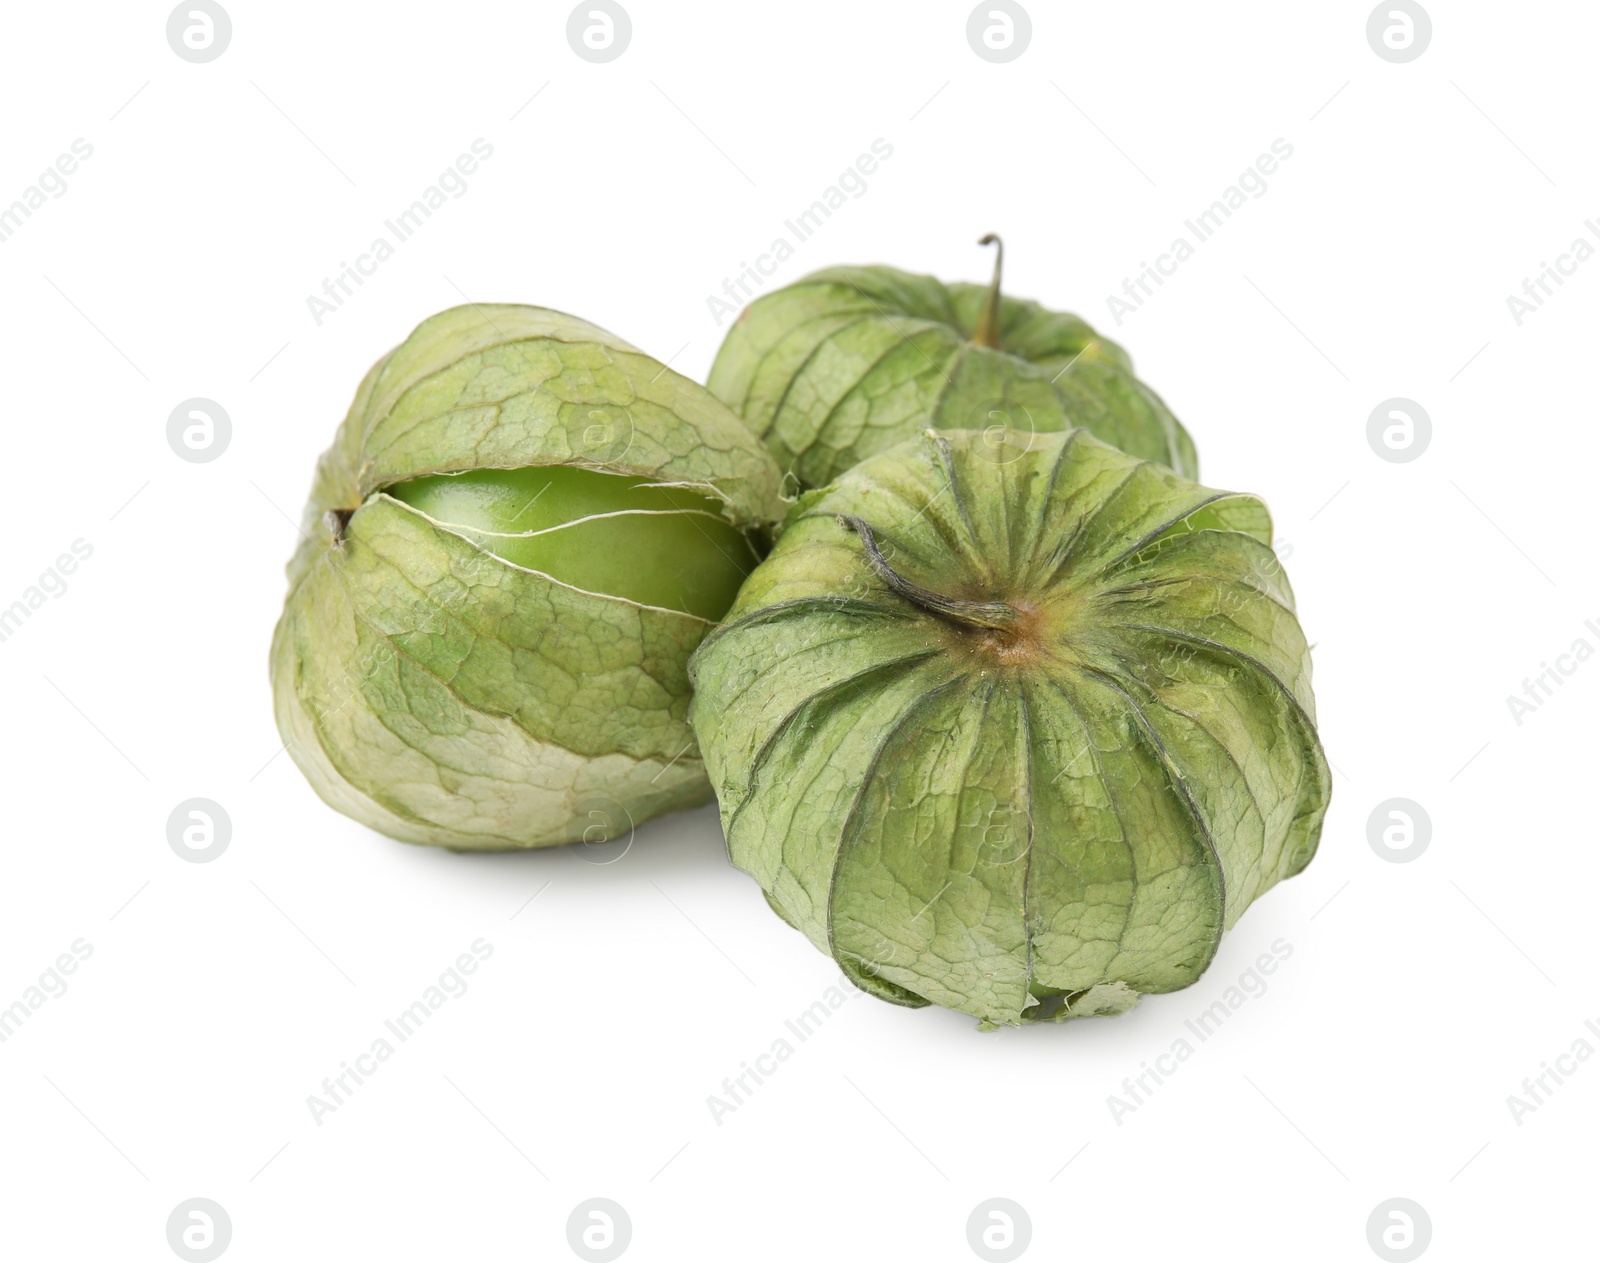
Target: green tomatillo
<point x="627" y="537"/>
<point x="522" y="530"/>
<point x="1015" y="724"/>
<point x="850" y="361"/>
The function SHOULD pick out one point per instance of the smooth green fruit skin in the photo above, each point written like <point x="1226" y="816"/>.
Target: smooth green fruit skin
<point x="661" y="546"/>
<point x="849" y="361"/>
<point x="1075" y="808"/>
<point x="442" y="693"/>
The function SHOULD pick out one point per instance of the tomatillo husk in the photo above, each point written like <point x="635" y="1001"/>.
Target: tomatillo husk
<point x="522" y="530"/>
<point x="1015" y="724"/>
<point x="849" y="361"/>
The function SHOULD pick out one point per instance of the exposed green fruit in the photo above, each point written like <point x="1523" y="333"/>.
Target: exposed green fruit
<point x="1016" y="728"/>
<point x="626" y="537"/>
<point x="850" y="361"/>
<point x="522" y="530"/>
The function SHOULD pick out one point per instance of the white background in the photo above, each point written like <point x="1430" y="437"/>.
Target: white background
<point x="219" y="996"/>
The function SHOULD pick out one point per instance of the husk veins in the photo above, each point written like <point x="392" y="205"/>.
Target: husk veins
<point x="440" y="694"/>
<point x="849" y="361"/>
<point x="1025" y="817"/>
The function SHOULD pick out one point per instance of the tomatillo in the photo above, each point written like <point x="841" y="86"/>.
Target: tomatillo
<point x="522" y="530"/>
<point x="1015" y="724"/>
<point x="849" y="361"/>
